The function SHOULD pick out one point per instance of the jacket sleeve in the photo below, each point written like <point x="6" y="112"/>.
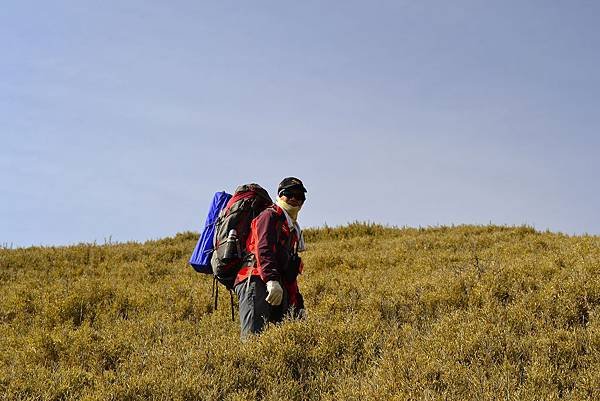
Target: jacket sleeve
<point x="265" y="237"/>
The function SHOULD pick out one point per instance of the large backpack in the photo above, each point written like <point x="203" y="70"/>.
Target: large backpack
<point x="232" y="229"/>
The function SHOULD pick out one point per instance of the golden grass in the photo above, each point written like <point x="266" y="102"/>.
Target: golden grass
<point x="467" y="312"/>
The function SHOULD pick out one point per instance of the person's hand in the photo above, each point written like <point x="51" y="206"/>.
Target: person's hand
<point x="274" y="292"/>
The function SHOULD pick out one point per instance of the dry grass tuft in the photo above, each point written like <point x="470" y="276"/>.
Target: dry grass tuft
<point x="467" y="312"/>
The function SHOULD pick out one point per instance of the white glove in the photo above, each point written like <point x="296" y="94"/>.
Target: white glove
<point x="274" y="292"/>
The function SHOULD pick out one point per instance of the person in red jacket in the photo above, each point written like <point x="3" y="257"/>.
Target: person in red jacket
<point x="267" y="288"/>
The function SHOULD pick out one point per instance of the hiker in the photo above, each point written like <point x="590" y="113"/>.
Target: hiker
<point x="267" y="288"/>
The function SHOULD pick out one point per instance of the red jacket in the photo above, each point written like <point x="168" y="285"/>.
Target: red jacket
<point x="272" y="242"/>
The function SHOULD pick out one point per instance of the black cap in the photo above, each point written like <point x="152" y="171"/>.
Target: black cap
<point x="290" y="184"/>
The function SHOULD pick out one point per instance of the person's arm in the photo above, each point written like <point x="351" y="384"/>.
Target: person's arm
<point x="265" y="234"/>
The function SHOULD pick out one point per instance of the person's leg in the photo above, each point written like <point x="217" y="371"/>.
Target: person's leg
<point x="253" y="308"/>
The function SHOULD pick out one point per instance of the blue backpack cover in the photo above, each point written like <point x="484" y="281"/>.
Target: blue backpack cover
<point x="203" y="251"/>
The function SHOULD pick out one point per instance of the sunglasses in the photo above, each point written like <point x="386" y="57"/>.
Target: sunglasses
<point x="294" y="195"/>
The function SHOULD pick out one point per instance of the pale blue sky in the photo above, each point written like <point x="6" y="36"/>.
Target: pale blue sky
<point x="122" y="118"/>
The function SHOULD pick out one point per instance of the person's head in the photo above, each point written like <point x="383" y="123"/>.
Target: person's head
<point x="292" y="191"/>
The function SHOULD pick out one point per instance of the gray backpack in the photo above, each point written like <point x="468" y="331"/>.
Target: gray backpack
<point x="232" y="229"/>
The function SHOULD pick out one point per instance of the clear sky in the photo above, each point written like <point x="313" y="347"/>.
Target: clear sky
<point x="120" y="119"/>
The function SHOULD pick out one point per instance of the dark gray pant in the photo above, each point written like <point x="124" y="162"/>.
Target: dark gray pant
<point x="255" y="311"/>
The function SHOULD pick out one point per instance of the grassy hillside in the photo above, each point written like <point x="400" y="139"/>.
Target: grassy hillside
<point x="456" y="313"/>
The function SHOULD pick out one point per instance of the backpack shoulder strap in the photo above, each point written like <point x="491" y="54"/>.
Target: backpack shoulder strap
<point x="279" y="225"/>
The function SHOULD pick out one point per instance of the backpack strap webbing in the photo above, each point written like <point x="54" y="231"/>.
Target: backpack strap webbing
<point x="215" y="291"/>
<point x="215" y="294"/>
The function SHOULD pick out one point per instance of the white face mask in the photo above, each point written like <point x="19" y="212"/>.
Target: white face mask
<point x="291" y="210"/>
